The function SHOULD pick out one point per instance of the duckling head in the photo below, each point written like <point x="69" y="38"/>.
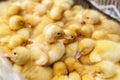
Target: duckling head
<point x="17" y="40"/>
<point x="85" y="46"/>
<point x="105" y="69"/>
<point x="70" y="36"/>
<point x="91" y="17"/>
<point x="20" y="55"/>
<point x="53" y="32"/>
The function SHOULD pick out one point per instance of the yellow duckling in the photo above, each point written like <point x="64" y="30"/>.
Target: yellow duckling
<point x="21" y="56"/>
<point x="105" y="69"/>
<point x="73" y="65"/>
<point x="14" y="10"/>
<point x="74" y="26"/>
<point x="16" y="22"/>
<point x="100" y="22"/>
<point x="49" y="44"/>
<point x="40" y="27"/>
<point x="100" y="50"/>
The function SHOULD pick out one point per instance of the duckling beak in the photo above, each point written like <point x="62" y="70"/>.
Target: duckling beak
<point x="82" y="21"/>
<point x="29" y="42"/>
<point x="67" y="37"/>
<point x="77" y="55"/>
<point x="7" y="56"/>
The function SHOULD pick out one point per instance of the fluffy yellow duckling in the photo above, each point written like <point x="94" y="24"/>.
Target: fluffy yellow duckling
<point x="40" y="27"/>
<point x="70" y="36"/>
<point x="100" y="22"/>
<point x="5" y="30"/>
<point x="66" y="4"/>
<point x="25" y="32"/>
<point x="56" y="12"/>
<point x="31" y="20"/>
<point x="21" y="56"/>
<point x="17" y="40"/>
<point x="48" y="43"/>
<point x="74" y="76"/>
<point x="105" y="69"/>
<point x="100" y="50"/>
<point x="74" y="26"/>
<point x="14" y="10"/>
<point x="99" y="35"/>
<point x="16" y="22"/>
<point x="73" y="65"/>
<point x="40" y="9"/>
<point x="87" y="30"/>
<point x="85" y="46"/>
<point x="47" y="3"/>
<point x="59" y="68"/>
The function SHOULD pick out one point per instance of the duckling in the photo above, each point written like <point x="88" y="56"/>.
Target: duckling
<point x="21" y="56"/>
<point x="16" y="22"/>
<point x="70" y="36"/>
<point x="31" y="20"/>
<point x="47" y="3"/>
<point x="99" y="35"/>
<point x="14" y="10"/>
<point x="100" y="50"/>
<point x="85" y="46"/>
<point x="74" y="26"/>
<point x="49" y="43"/>
<point x="5" y="30"/>
<point x="73" y="65"/>
<point x="74" y="76"/>
<point x="87" y="30"/>
<point x="59" y="68"/>
<point x="40" y="10"/>
<point x="105" y="69"/>
<point x="66" y="4"/>
<point x="100" y="22"/>
<point x="56" y="12"/>
<point x="103" y="49"/>
<point x="40" y="27"/>
<point x="25" y="32"/>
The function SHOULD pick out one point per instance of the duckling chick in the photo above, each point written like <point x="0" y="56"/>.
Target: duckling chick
<point x="14" y="10"/>
<point x="17" y="40"/>
<point x="70" y="36"/>
<point x="85" y="46"/>
<point x="16" y="22"/>
<point x="5" y="30"/>
<point x="40" y="27"/>
<point x="49" y="44"/>
<point x="59" y="68"/>
<point x="87" y="30"/>
<point x="99" y="35"/>
<point x="74" y="26"/>
<point x="73" y="65"/>
<point x="105" y="70"/>
<point x="103" y="49"/>
<point x="21" y="56"/>
<point x="25" y="32"/>
<point x="31" y="20"/>
<point x="74" y="76"/>
<point x="100" y="22"/>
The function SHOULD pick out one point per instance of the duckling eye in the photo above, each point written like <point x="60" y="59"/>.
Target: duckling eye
<point x="14" y="53"/>
<point x="58" y="33"/>
<point x="72" y="36"/>
<point x="99" y="72"/>
<point x="87" y="18"/>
